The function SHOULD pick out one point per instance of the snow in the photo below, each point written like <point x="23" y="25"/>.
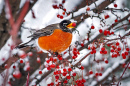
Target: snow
<point x="1" y="5"/>
<point x="46" y="15"/>
<point x="4" y="52"/>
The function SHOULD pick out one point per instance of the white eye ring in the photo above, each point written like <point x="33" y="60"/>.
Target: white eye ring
<point x="64" y="24"/>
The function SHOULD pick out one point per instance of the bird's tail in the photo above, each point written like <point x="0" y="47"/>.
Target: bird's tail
<point x="23" y="45"/>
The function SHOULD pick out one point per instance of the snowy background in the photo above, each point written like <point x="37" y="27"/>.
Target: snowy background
<point x="46" y="15"/>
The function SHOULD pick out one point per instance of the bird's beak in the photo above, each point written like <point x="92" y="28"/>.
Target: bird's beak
<point x="71" y="25"/>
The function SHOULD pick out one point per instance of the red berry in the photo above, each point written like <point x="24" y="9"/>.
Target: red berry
<point x="108" y="45"/>
<point x="74" y="49"/>
<point x="106" y="61"/>
<point x="59" y="72"/>
<point x="40" y="72"/>
<point x="74" y="74"/>
<point x="105" y="52"/>
<point x="55" y="60"/>
<point x="83" y="80"/>
<point x="6" y="66"/>
<point x="94" y="51"/>
<point x="126" y="53"/>
<point x="58" y="16"/>
<point x="103" y="48"/>
<point x="65" y="70"/>
<point x="21" y="61"/>
<point x="100" y="30"/>
<point x="127" y="49"/>
<point x="96" y="74"/>
<point x="75" y="52"/>
<point x="113" y="46"/>
<point x="123" y="54"/>
<point x="92" y="27"/>
<point x="63" y="1"/>
<point x="101" y="52"/>
<point x="87" y="9"/>
<point x="14" y="66"/>
<point x="124" y="57"/>
<point x="51" y="58"/>
<point x="90" y="72"/>
<point x="119" y="49"/>
<point x="64" y="73"/>
<point x="82" y="44"/>
<point x="77" y="81"/>
<point x="47" y="61"/>
<point x="57" y="67"/>
<point x="61" y="17"/>
<point x="117" y="43"/>
<point x="112" y="50"/>
<point x="73" y="24"/>
<point x="115" y="5"/>
<point x="55" y="6"/>
<point x="65" y="81"/>
<point x="106" y="16"/>
<point x="105" y="32"/>
<point x="49" y="68"/>
<point x="57" y="77"/>
<point x="91" y="52"/>
<point x="60" y="58"/>
<point x="82" y="67"/>
<point x="73" y="57"/>
<point x="69" y="69"/>
<point x="52" y="65"/>
<point x="17" y="75"/>
<point x="100" y="74"/>
<point x="63" y="13"/>
<point x="112" y="32"/>
<point x="116" y="20"/>
<point x="64" y="9"/>
<point x="52" y="83"/>
<point x="68" y="77"/>
<point x="108" y="32"/>
<point x="60" y="5"/>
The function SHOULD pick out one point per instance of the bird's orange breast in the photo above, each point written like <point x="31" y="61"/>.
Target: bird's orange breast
<point x="58" y="41"/>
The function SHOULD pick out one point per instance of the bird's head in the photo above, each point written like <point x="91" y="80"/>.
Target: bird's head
<point x="67" y="25"/>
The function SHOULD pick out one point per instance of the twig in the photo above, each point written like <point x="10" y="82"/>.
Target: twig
<point x="123" y="74"/>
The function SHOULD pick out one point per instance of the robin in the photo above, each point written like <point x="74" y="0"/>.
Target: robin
<point x="54" y="38"/>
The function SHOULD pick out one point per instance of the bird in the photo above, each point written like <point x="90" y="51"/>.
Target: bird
<point x="54" y="38"/>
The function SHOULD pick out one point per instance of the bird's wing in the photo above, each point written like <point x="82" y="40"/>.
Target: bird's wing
<point x="45" y="31"/>
<point x="42" y="32"/>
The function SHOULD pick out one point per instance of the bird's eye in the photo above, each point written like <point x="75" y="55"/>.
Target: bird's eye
<point x="64" y="24"/>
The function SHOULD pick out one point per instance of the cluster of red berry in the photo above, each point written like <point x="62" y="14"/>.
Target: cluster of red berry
<point x="75" y="53"/>
<point x="92" y="48"/>
<point x="60" y="6"/>
<point x="115" y="50"/>
<point x="67" y="74"/>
